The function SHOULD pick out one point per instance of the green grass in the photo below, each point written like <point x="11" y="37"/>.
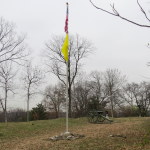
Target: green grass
<point x="146" y="137"/>
<point x="34" y="128"/>
<point x="32" y="135"/>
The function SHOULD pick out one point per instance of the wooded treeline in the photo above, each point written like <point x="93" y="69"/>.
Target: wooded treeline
<point x="106" y="91"/>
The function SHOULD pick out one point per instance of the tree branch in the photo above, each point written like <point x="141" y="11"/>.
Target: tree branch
<point x="116" y="14"/>
<point x="143" y="11"/>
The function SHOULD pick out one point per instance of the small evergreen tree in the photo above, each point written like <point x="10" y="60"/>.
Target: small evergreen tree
<point x="38" y="113"/>
<point x="94" y="104"/>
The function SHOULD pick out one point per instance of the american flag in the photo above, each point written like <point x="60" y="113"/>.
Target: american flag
<point x="66" y="22"/>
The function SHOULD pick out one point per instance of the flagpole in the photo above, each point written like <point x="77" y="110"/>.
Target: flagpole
<point x="67" y="100"/>
<point x="67" y="97"/>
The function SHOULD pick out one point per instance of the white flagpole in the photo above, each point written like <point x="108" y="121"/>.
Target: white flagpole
<point x="67" y="97"/>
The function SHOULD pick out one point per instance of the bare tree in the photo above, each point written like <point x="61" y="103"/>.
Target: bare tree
<point x="6" y="83"/>
<point x="97" y="87"/>
<point x="32" y="79"/>
<point x="80" y="95"/>
<point x="115" y="13"/>
<point x="78" y="49"/>
<point x="128" y="94"/>
<point x="54" y="98"/>
<point x="139" y="95"/>
<point x="144" y="103"/>
<point x="12" y="47"/>
<point x="113" y="83"/>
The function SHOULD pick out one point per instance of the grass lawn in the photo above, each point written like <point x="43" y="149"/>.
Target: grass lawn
<point x="35" y="135"/>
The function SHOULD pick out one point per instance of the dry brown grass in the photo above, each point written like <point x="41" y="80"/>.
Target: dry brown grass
<point x="97" y="137"/>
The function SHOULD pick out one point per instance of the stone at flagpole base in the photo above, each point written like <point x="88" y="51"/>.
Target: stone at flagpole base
<point x="66" y="136"/>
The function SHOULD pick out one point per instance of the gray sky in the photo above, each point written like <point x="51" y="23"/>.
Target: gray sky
<point x="119" y="44"/>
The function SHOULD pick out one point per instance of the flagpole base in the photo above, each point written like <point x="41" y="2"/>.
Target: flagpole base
<point x="66" y="136"/>
<point x="67" y="132"/>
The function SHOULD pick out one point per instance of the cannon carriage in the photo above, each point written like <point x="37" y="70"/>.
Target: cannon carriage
<point x="98" y="117"/>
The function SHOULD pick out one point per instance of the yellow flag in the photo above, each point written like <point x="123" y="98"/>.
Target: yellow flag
<point x="65" y="47"/>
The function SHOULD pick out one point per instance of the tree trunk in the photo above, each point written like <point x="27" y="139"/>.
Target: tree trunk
<point x="28" y="98"/>
<point x="58" y="111"/>
<point x="69" y="89"/>
<point x="112" y="107"/>
<point x="69" y="95"/>
<point x="5" y="112"/>
<point x="28" y="109"/>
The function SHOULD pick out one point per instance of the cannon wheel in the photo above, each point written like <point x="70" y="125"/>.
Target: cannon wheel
<point x="100" y="119"/>
<point x="92" y="118"/>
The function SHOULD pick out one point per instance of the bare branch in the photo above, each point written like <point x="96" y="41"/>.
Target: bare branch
<point x="12" y="46"/>
<point x="142" y="10"/>
<point x="115" y="13"/>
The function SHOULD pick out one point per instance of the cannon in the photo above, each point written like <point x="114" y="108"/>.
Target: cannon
<point x="98" y="117"/>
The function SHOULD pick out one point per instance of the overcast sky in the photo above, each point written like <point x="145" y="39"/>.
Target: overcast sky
<point x="119" y="44"/>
